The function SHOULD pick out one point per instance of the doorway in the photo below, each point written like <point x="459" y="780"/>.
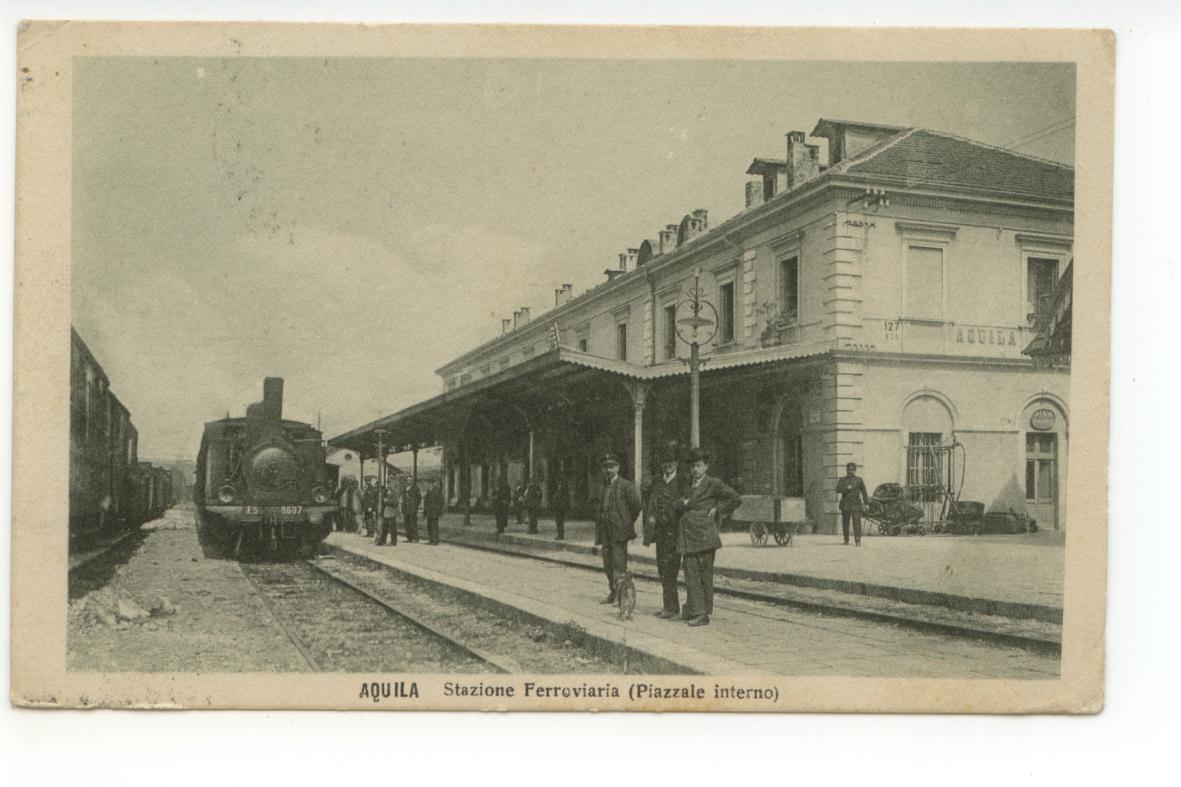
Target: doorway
<point x="1041" y="478"/>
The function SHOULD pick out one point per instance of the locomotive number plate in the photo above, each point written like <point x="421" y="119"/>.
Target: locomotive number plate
<point x="274" y="510"/>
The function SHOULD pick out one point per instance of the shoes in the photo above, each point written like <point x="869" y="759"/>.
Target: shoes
<point x="664" y="614"/>
<point x="700" y="620"/>
<point x="846" y="543"/>
<point x="685" y="614"/>
<point x="858" y="543"/>
<point x="559" y="538"/>
<point x="609" y="600"/>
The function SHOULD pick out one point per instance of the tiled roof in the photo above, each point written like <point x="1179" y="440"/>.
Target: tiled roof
<point x="921" y="157"/>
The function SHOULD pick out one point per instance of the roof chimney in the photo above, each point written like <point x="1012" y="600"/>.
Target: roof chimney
<point x="702" y="216"/>
<point x="567" y="292"/>
<point x="803" y="160"/>
<point x="627" y="260"/>
<point x="524" y="315"/>
<point x="668" y="238"/>
<point x="754" y="193"/>
<point x="516" y="319"/>
<point x="506" y="325"/>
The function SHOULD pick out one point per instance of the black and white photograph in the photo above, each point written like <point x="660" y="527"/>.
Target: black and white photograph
<point x="539" y="380"/>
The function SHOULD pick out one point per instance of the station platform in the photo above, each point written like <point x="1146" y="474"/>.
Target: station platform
<point x="745" y="636"/>
<point x="1016" y="576"/>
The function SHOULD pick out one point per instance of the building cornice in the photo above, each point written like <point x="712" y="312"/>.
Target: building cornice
<point x="755" y="220"/>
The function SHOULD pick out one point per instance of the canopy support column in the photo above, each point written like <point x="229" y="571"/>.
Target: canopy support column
<point x="639" y="396"/>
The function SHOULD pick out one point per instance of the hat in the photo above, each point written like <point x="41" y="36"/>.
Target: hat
<point x="698" y="454"/>
<point x="851" y="465"/>
<point x="608" y="459"/>
<point x="668" y="452"/>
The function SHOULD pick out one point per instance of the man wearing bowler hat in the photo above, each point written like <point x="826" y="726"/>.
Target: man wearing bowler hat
<point x="697" y="538"/>
<point x="615" y="524"/>
<point x="853" y="494"/>
<point x="660" y="527"/>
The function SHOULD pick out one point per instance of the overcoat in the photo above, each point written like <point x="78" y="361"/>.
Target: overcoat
<point x="661" y="516"/>
<point x="411" y="497"/>
<point x="618" y="509"/>
<point x="698" y="531"/>
<point x="432" y="503"/>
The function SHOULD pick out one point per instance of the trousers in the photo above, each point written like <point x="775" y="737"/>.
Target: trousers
<point x="699" y="581"/>
<point x="614" y="561"/>
<point x="856" y="517"/>
<point x="560" y="521"/>
<point x="532" y="515"/>
<point x="389" y="527"/>
<point x="501" y="521"/>
<point x="432" y="529"/>
<point x="668" y="565"/>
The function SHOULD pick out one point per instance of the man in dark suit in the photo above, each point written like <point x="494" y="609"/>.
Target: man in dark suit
<point x="660" y="527"/>
<point x="519" y="502"/>
<point x="411" y="497"/>
<point x="560" y="504"/>
<point x="615" y="523"/>
<point x="502" y="501"/>
<point x="698" y="538"/>
<point x="532" y="502"/>
<point x="432" y="509"/>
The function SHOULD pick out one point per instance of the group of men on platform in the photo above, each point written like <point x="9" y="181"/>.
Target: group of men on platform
<point x="526" y="500"/>
<point x="359" y="510"/>
<point x="681" y="516"/>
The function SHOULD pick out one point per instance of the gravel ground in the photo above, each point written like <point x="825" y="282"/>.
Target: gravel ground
<point x="212" y="621"/>
<point x="156" y="603"/>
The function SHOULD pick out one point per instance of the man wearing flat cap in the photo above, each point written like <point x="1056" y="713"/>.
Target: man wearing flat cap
<point x="698" y="539"/>
<point x="660" y="527"/>
<point x="615" y="523"/>
<point x="852" y="491"/>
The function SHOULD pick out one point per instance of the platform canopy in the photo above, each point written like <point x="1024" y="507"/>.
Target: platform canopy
<point x="559" y="377"/>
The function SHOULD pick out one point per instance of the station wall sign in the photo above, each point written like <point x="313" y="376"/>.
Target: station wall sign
<point x="1042" y="420"/>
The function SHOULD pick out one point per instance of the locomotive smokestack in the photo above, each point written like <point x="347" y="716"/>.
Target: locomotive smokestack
<point x="272" y="398"/>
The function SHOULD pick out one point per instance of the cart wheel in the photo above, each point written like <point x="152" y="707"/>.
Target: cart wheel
<point x="782" y="536"/>
<point x="758" y="534"/>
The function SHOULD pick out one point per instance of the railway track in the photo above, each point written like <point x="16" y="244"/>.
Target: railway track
<point x="343" y="615"/>
<point x="338" y="625"/>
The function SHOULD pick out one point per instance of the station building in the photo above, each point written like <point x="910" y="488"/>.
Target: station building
<point x="871" y="308"/>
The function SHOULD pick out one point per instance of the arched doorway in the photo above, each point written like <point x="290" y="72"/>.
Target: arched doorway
<point x="1043" y="422"/>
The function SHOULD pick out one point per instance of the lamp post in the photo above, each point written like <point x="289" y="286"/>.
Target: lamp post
<point x="696" y="323"/>
<point x="381" y="479"/>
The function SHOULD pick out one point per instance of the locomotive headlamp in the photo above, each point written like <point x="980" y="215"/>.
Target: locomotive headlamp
<point x="226" y="493"/>
<point x="320" y="494"/>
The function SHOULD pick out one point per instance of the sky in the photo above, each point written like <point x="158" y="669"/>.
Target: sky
<point x="353" y="224"/>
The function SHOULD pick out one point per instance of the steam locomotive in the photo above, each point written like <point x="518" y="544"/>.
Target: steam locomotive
<point x="261" y="487"/>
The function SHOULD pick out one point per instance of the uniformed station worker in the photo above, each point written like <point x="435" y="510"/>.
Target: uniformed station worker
<point x="853" y="494"/>
<point x="615" y="523"/>
<point x="698" y="538"/>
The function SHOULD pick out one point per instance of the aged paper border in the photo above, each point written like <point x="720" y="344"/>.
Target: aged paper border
<point x="41" y="365"/>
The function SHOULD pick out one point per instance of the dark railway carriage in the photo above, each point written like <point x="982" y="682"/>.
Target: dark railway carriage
<point x="261" y="484"/>
<point x="103" y="444"/>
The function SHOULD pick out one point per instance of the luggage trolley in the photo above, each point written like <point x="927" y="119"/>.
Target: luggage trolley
<point x="773" y="517"/>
